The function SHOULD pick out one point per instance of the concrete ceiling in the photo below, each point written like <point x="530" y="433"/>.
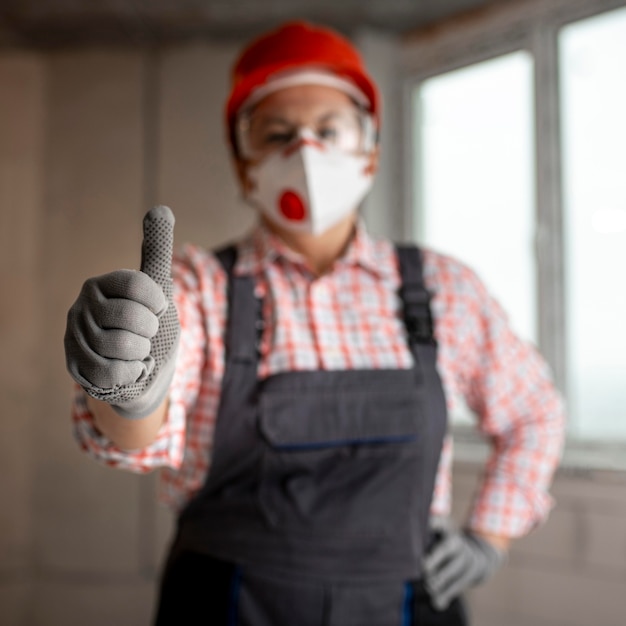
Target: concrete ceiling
<point x="53" y="23"/>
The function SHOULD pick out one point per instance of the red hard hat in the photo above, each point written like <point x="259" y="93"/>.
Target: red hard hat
<point x="294" y="46"/>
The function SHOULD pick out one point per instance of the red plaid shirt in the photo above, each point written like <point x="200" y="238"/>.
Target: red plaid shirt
<point x="351" y="318"/>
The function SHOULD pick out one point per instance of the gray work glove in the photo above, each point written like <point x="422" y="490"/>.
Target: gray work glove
<point x="122" y="332"/>
<point x="459" y="560"/>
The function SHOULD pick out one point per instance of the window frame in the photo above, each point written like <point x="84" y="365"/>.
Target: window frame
<point x="532" y="26"/>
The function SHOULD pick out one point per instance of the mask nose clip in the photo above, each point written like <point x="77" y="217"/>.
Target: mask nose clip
<point x="306" y="134"/>
<point x="305" y="137"/>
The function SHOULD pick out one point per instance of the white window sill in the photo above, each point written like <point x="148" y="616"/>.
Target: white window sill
<point x="470" y="447"/>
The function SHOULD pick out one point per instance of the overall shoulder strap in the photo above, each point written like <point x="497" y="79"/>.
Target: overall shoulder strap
<point x="420" y="330"/>
<point x="227" y="256"/>
<point x="415" y="298"/>
<point x="244" y="312"/>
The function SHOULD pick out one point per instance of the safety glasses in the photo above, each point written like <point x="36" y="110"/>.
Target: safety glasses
<point x="350" y="130"/>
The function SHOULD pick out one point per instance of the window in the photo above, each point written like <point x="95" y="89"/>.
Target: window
<point x="477" y="181"/>
<point x="518" y="168"/>
<point x="593" y="103"/>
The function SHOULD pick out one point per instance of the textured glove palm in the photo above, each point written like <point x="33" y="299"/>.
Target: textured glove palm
<point x="458" y="561"/>
<point x="122" y="332"/>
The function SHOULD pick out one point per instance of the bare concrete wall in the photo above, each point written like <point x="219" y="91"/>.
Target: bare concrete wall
<point x="88" y="139"/>
<point x="570" y="571"/>
<point x="21" y="144"/>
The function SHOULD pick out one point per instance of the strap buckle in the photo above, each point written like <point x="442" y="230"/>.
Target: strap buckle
<point x="418" y="319"/>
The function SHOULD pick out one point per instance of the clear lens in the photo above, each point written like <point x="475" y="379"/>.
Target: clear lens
<point x="346" y="130"/>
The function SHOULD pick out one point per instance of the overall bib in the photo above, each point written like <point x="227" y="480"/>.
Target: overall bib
<point x="315" y="510"/>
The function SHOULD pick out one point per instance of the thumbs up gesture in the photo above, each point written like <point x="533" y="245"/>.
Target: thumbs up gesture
<point x="122" y="331"/>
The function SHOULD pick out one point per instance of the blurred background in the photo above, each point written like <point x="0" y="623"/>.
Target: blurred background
<point x="503" y="143"/>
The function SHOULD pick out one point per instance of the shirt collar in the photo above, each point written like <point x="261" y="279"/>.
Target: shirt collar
<point x="263" y="248"/>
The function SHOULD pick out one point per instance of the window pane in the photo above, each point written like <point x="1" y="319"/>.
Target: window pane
<point x="476" y="188"/>
<point x="593" y="95"/>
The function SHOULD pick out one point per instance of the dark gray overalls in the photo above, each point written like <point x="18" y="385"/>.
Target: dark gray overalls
<point x="315" y="510"/>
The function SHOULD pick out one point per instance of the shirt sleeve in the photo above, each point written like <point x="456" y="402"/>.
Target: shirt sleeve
<point x="508" y="386"/>
<point x="168" y="448"/>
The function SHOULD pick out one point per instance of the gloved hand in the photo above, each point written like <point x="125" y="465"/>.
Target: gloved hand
<point x="122" y="332"/>
<point x="459" y="560"/>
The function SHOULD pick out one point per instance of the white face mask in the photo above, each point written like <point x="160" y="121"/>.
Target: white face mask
<point x="309" y="188"/>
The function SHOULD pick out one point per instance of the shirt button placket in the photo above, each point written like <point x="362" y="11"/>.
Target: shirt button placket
<point x="320" y="307"/>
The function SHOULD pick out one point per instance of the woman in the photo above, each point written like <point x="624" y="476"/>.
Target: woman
<point x="290" y="384"/>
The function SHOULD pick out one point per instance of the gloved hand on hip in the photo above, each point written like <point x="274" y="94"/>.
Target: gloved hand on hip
<point x="122" y="332"/>
<point x="459" y="560"/>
